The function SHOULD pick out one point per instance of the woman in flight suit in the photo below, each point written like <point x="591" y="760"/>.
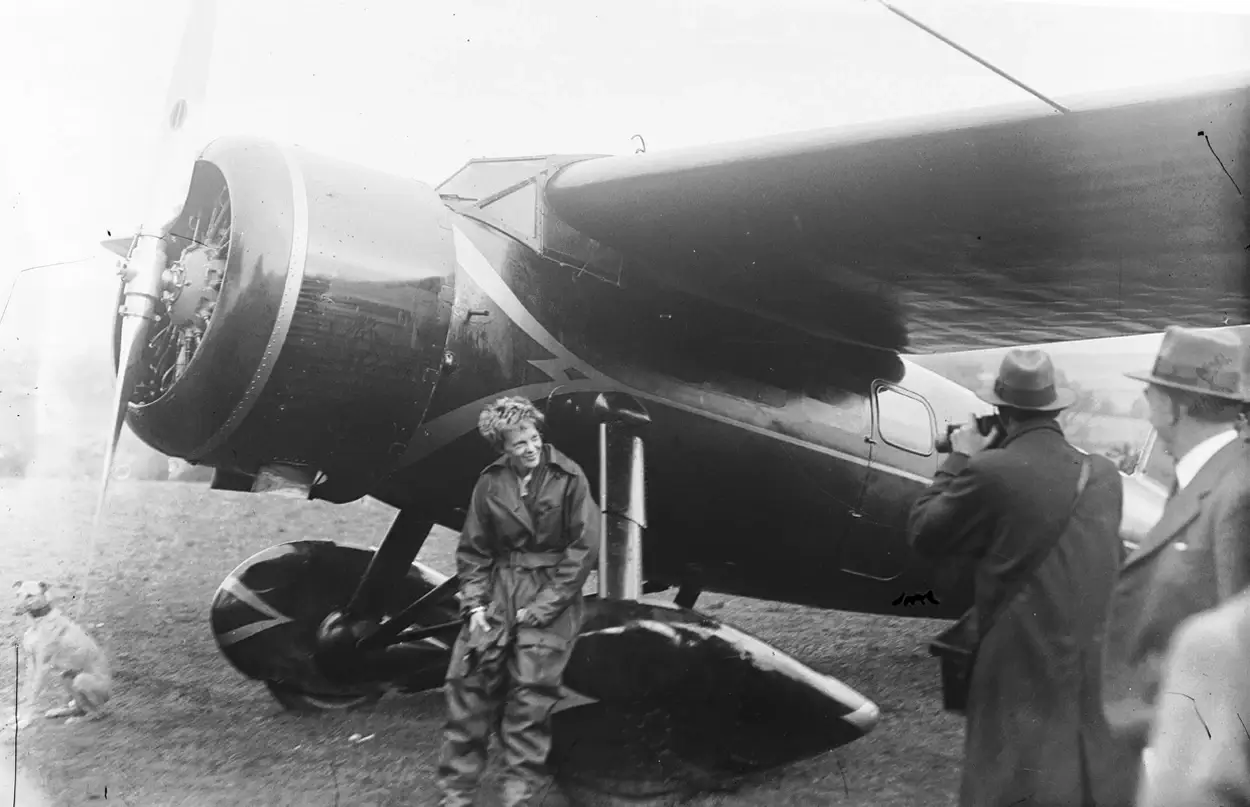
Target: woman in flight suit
<point x="530" y="538"/>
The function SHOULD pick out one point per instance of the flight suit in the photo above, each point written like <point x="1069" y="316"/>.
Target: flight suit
<point x="531" y="552"/>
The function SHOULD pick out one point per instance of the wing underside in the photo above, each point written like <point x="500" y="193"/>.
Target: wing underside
<point x="1005" y="228"/>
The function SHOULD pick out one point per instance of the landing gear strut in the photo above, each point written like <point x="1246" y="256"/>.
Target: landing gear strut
<point x="390" y="562"/>
<point x="622" y="492"/>
<point x="339" y="635"/>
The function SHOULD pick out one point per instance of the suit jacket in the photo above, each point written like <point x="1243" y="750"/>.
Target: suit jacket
<point x="1199" y="745"/>
<point x="1034" y="717"/>
<point x="1194" y="558"/>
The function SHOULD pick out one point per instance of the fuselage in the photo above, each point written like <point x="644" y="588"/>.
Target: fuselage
<point x="360" y="322"/>
<point x="776" y="468"/>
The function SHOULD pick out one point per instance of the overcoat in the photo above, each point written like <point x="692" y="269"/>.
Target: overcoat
<point x="1036" y="733"/>
<point x="1195" y="557"/>
<point x="536" y="557"/>
<point x="532" y="552"/>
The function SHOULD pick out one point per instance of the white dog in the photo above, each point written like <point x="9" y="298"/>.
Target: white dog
<point x="55" y="645"/>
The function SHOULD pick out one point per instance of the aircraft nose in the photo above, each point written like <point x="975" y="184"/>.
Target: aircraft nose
<point x="271" y="299"/>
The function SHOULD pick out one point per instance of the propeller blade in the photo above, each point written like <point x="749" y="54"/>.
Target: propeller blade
<point x="143" y="274"/>
<point x="137" y="315"/>
<point x="118" y="246"/>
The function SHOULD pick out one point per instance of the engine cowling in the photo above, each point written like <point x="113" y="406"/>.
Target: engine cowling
<point x="304" y="318"/>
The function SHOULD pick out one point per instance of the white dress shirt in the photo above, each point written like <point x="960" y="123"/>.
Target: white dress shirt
<point x="1188" y="466"/>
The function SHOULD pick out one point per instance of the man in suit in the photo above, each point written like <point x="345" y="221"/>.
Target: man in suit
<point x="1199" y="752"/>
<point x="1196" y="556"/>
<point x="1035" y="728"/>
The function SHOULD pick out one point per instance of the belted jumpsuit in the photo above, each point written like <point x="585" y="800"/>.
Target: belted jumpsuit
<point x="533" y="552"/>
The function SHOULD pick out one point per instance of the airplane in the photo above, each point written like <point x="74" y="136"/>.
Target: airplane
<point x="720" y="336"/>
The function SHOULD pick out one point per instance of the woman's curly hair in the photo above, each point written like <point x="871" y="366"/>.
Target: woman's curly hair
<point x="504" y="414"/>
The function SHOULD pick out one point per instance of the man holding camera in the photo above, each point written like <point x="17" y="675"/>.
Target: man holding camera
<point x="1197" y="556"/>
<point x="1045" y="549"/>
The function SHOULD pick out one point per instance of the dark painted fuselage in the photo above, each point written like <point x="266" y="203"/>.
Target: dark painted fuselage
<point x="365" y="321"/>
<point x="767" y="471"/>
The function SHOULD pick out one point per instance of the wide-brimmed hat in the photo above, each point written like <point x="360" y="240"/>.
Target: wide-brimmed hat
<point x="1026" y="380"/>
<point x="1208" y="362"/>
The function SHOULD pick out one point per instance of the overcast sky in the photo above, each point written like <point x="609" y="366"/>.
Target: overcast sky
<point x="418" y="88"/>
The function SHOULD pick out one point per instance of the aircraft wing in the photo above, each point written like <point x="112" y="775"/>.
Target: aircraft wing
<point x="989" y="228"/>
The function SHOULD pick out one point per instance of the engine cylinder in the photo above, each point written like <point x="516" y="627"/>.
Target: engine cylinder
<point x="325" y="337"/>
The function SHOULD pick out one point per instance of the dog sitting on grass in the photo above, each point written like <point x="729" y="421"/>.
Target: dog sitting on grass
<point x="55" y="645"/>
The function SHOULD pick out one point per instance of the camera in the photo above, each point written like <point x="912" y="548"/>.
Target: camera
<point x="985" y="425"/>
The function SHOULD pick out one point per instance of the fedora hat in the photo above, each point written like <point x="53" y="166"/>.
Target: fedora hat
<point x="1026" y="380"/>
<point x="1208" y="362"/>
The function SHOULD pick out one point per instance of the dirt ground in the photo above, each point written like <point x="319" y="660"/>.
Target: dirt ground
<point x="187" y="730"/>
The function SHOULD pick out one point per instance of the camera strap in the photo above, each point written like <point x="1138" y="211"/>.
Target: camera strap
<point x="1039" y="553"/>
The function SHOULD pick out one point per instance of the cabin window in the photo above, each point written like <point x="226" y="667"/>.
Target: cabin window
<point x="904" y="421"/>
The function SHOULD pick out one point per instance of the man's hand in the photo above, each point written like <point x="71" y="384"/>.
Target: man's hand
<point x="477" y="620"/>
<point x="525" y="618"/>
<point x="968" y="440"/>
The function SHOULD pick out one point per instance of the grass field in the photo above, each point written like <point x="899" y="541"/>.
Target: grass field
<point x="187" y="730"/>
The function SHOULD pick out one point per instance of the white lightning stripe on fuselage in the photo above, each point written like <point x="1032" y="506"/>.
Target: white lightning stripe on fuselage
<point x="451" y="425"/>
<point x="476" y="266"/>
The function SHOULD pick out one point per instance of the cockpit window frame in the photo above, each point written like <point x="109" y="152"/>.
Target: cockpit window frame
<point x="877" y="387"/>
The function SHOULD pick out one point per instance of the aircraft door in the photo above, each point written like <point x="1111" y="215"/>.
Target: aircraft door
<point x="901" y="460"/>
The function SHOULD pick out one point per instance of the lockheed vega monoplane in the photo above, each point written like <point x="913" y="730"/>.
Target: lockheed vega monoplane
<point x="724" y="332"/>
